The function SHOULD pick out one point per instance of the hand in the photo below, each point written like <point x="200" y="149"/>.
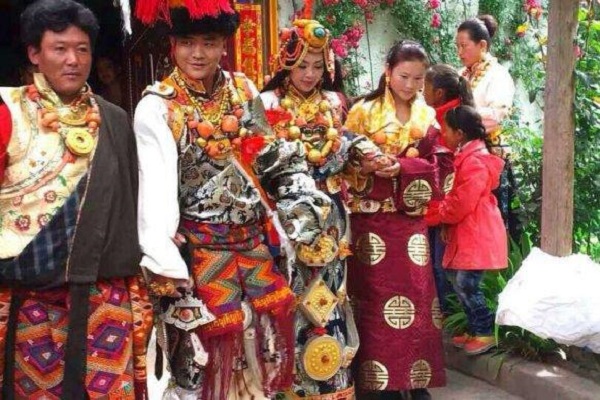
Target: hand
<point x="179" y="239"/>
<point x="391" y="171"/>
<point x="368" y="164"/>
<point x="444" y="234"/>
<point x="162" y="286"/>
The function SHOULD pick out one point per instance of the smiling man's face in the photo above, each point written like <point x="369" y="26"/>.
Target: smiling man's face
<point x="198" y="56"/>
<point x="65" y="59"/>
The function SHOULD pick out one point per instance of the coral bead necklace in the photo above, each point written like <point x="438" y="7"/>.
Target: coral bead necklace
<point x="77" y="123"/>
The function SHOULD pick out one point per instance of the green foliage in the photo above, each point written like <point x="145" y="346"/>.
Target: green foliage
<point x="414" y="21"/>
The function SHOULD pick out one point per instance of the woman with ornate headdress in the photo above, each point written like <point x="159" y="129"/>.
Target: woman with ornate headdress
<point x="207" y="164"/>
<point x="304" y="103"/>
<point x="391" y="280"/>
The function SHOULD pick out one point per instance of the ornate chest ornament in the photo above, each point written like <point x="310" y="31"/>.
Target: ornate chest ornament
<point x="318" y="302"/>
<point x="187" y="313"/>
<point x="322" y="357"/>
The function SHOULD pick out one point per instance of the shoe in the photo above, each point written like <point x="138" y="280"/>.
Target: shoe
<point x="479" y="345"/>
<point x="420" y="394"/>
<point x="461" y="340"/>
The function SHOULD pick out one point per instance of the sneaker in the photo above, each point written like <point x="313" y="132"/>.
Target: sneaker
<point x="479" y="345"/>
<point x="461" y="340"/>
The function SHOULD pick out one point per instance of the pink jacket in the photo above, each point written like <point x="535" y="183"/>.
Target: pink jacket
<point x="476" y="234"/>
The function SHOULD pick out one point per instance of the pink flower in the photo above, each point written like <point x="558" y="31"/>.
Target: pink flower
<point x="369" y="16"/>
<point x="436" y="20"/>
<point x="578" y="51"/>
<point x="361" y="3"/>
<point x="339" y="47"/>
<point x="328" y="3"/>
<point x="433" y="4"/>
<point x="43" y="219"/>
<point x="50" y="196"/>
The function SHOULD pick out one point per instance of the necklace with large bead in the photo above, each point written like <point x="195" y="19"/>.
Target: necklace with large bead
<point x="311" y="120"/>
<point x="214" y="123"/>
<point x="77" y="123"/>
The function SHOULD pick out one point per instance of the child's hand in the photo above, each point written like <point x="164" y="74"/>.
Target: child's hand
<point x="444" y="233"/>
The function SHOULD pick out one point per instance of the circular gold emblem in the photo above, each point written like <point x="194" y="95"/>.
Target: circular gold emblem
<point x="399" y="312"/>
<point x="418" y="249"/>
<point x="420" y="374"/>
<point x="322" y="357"/>
<point x="436" y="313"/>
<point x="79" y="141"/>
<point x="417" y="193"/>
<point x="448" y="183"/>
<point x="370" y="249"/>
<point x="373" y="375"/>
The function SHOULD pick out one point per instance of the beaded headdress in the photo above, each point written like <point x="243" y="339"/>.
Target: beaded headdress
<point x="305" y="35"/>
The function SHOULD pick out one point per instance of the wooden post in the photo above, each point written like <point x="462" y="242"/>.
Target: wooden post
<point x="559" y="130"/>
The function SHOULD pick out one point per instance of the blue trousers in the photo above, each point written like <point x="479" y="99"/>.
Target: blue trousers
<point x="442" y="285"/>
<point x="467" y="286"/>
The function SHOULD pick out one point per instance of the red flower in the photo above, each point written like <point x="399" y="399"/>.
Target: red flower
<point x="277" y="116"/>
<point x="319" y="331"/>
<point x="23" y="222"/>
<point x="361" y="3"/>
<point x="436" y="20"/>
<point x="251" y="146"/>
<point x="339" y="47"/>
<point x="433" y="4"/>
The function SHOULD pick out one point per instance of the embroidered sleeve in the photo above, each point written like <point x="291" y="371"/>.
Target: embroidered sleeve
<point x="283" y="173"/>
<point x="499" y="97"/>
<point x="158" y="206"/>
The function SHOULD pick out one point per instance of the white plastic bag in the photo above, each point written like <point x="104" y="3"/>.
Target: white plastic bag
<point x="555" y="297"/>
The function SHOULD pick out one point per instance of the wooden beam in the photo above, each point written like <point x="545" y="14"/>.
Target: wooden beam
<point x="559" y="130"/>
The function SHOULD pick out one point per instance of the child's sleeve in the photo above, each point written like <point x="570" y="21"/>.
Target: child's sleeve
<point x="469" y="186"/>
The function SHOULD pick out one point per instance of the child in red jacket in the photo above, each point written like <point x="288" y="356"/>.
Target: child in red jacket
<point x="475" y="235"/>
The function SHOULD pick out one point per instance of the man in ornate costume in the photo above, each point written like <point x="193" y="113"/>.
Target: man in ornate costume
<point x="207" y="162"/>
<point x="74" y="314"/>
<point x="304" y="102"/>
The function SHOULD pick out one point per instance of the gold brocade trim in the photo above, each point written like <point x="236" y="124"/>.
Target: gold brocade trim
<point x="346" y="394"/>
<point x="318" y="302"/>
<point x="319" y="254"/>
<point x="368" y="206"/>
<point x="276" y="298"/>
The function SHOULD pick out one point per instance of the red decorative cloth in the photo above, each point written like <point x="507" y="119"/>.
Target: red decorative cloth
<point x="5" y="134"/>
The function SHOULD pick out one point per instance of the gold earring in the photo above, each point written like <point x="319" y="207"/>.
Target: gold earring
<point x="387" y="80"/>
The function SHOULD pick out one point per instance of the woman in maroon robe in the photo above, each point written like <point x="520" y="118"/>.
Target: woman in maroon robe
<point x="390" y="276"/>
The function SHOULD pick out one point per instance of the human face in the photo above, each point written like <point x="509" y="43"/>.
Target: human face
<point x="198" y="56"/>
<point x="65" y="59"/>
<point x="452" y="137"/>
<point x="433" y="97"/>
<point x="406" y="79"/>
<point x="307" y="75"/>
<point x="106" y="71"/>
<point x="469" y="51"/>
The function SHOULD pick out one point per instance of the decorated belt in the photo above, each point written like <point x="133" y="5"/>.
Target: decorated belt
<point x="368" y="206"/>
<point x="346" y="394"/>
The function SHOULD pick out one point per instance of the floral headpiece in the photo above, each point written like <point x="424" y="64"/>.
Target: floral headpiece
<point x="305" y="35"/>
